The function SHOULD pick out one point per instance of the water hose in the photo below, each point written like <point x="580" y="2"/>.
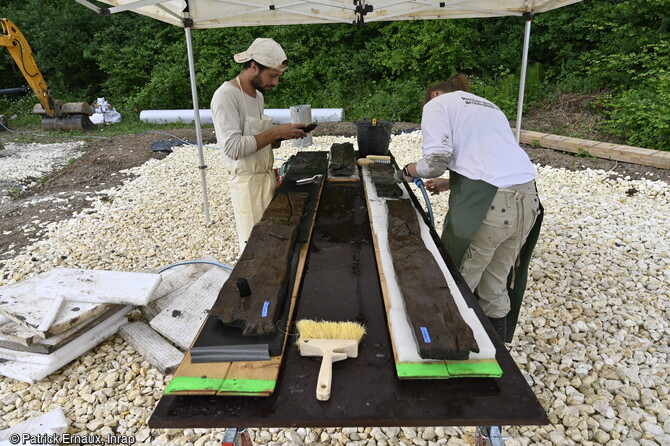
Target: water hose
<point x="196" y="261"/>
<point x="422" y="187"/>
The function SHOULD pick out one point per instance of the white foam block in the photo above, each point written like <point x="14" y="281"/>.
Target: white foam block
<point x="32" y="372"/>
<point x="17" y="337"/>
<point x="87" y="285"/>
<point x="153" y="347"/>
<point x="177" y="276"/>
<point x="403" y="338"/>
<point x="185" y="310"/>
<point x="21" y="302"/>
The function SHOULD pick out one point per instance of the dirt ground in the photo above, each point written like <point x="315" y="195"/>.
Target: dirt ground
<point x="97" y="170"/>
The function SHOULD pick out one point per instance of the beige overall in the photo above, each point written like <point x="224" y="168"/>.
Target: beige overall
<point x="253" y="182"/>
<point x="497" y="244"/>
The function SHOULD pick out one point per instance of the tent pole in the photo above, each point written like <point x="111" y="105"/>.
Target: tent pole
<point x="198" y="130"/>
<point x="524" y="65"/>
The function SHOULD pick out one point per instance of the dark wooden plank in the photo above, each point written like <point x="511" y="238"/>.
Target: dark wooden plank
<point x="382" y="177"/>
<point x="263" y="267"/>
<point x="342" y="163"/>
<point x="439" y="329"/>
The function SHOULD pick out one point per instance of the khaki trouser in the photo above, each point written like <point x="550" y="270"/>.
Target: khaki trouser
<point x="496" y="246"/>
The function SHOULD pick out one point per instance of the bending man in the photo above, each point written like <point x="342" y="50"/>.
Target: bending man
<point x="494" y="212"/>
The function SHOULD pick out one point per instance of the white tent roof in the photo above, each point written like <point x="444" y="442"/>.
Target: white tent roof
<point x="228" y="13"/>
<point x="192" y="14"/>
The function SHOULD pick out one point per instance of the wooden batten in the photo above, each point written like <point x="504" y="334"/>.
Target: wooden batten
<point x="615" y="152"/>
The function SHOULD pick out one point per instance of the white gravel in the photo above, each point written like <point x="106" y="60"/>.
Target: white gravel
<point x="21" y="161"/>
<point x="593" y="333"/>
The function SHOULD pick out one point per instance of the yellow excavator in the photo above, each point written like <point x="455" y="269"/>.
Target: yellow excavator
<point x="56" y="115"/>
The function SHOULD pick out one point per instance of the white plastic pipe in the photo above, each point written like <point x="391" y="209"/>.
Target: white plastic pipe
<point x="278" y="115"/>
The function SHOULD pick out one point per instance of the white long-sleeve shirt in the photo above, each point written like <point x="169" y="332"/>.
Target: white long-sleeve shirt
<point x="228" y="115"/>
<point x="471" y="136"/>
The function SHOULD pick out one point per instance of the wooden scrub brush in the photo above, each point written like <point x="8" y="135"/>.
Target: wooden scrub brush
<point x="333" y="341"/>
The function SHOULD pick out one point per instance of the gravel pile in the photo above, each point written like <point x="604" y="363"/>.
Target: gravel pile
<point x="593" y="333"/>
<point x="21" y="161"/>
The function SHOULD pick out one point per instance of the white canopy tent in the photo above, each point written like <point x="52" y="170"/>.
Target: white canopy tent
<point x="198" y="14"/>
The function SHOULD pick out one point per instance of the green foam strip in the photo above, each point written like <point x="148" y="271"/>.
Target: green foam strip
<point x="248" y="385"/>
<point x="448" y="369"/>
<point x="479" y="368"/>
<point x="189" y="383"/>
<point x="422" y="370"/>
<point x="182" y="383"/>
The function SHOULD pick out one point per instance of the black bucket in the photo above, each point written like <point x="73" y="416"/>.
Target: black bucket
<point x="373" y="138"/>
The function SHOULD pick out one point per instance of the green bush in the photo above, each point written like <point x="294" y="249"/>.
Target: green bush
<point x="641" y="116"/>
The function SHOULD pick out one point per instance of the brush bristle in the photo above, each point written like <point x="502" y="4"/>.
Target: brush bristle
<point x="309" y="329"/>
<point x="380" y="159"/>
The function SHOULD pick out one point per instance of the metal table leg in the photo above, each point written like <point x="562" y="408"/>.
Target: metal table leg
<point x="236" y="437"/>
<point x="489" y="436"/>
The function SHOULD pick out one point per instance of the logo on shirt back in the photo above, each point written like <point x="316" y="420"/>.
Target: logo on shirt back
<point x="473" y="101"/>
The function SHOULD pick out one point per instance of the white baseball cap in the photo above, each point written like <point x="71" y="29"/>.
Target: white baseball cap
<point x="266" y="52"/>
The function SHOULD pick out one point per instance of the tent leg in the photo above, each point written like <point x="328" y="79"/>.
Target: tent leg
<point x="524" y="65"/>
<point x="198" y="130"/>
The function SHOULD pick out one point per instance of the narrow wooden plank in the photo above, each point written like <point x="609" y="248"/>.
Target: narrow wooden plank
<point x="162" y="355"/>
<point x="184" y="314"/>
<point x="382" y="177"/>
<point x="264" y="269"/>
<point x="406" y="352"/>
<point x="342" y="163"/>
<point x="615" y="152"/>
<point x="246" y="376"/>
<point x="437" y="324"/>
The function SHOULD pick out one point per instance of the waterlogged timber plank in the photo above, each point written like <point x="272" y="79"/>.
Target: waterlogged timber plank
<point x="437" y="324"/>
<point x="342" y="163"/>
<point x="251" y="297"/>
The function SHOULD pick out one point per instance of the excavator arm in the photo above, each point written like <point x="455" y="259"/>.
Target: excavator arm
<point x="14" y="40"/>
<point x="58" y="115"/>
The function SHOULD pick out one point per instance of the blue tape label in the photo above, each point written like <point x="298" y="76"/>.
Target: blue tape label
<point x="266" y="305"/>
<point x="426" y="336"/>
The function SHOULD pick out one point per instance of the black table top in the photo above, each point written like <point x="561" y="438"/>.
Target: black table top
<point x="340" y="282"/>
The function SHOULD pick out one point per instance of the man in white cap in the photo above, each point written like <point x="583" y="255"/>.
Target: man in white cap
<point x="247" y="136"/>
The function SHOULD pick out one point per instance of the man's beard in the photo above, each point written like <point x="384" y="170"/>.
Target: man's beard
<point x="257" y="83"/>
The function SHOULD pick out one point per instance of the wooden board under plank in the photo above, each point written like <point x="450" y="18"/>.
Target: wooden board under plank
<point x="242" y="378"/>
<point x="424" y="369"/>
